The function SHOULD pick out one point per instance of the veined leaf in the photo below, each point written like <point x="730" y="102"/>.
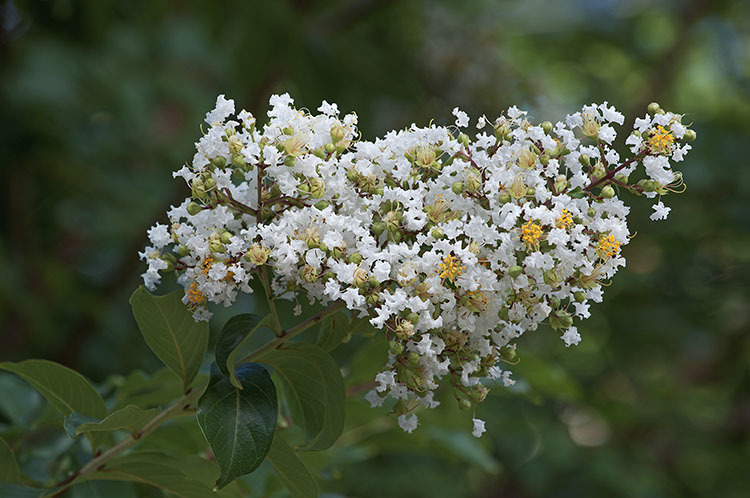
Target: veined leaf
<point x="65" y="389"/>
<point x="19" y="491"/>
<point x="156" y="474"/>
<point x="291" y="470"/>
<point x="170" y="331"/>
<point x="130" y="418"/>
<point x="236" y="333"/>
<point x="239" y="423"/>
<point x="8" y="466"/>
<point x="314" y="391"/>
<point x="333" y="331"/>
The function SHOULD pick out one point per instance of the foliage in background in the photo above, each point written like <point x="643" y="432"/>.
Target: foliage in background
<point x="99" y="103"/>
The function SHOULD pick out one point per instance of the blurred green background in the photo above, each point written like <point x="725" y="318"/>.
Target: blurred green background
<point x="100" y="101"/>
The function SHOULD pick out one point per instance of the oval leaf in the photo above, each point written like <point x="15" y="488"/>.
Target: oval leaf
<point x="130" y="418"/>
<point x="314" y="391"/>
<point x="235" y="334"/>
<point x="8" y="467"/>
<point x="170" y="331"/>
<point x="157" y="474"/>
<point x="239" y="423"/>
<point x="333" y="331"/>
<point x="291" y="470"/>
<point x="65" y="389"/>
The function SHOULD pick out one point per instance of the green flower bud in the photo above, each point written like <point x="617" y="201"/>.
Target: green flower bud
<point x="226" y="238"/>
<point x="328" y="275"/>
<point x="238" y="161"/>
<point x="608" y="192"/>
<point x="503" y="314"/>
<point x="322" y="205"/>
<point x="464" y="405"/>
<point x="215" y="246"/>
<point x="458" y="188"/>
<point x="372" y="299"/>
<point x="437" y="233"/>
<point x="530" y="191"/>
<point x="319" y="152"/>
<point x="209" y="183"/>
<point x="653" y="108"/>
<point x="508" y="354"/>
<point x="413" y="359"/>
<point x="413" y="317"/>
<point x="479" y="393"/>
<point x="355" y="258"/>
<point x="338" y="132"/>
<point x="579" y="296"/>
<point x="591" y="212"/>
<point x="547" y="127"/>
<point x="219" y="162"/>
<point x="352" y="175"/>
<point x="514" y="271"/>
<point x="585" y="160"/>
<point x="504" y="198"/>
<point x="317" y="188"/>
<point x="360" y="278"/>
<point x="561" y="181"/>
<point x="290" y="161"/>
<point x="183" y="251"/>
<point x="622" y="178"/>
<point x="373" y="281"/>
<point x="378" y="228"/>
<point x="400" y="408"/>
<point x="395" y="347"/>
<point x="689" y="136"/>
<point x="329" y="148"/>
<point x="544" y="159"/>
<point x="194" y="208"/>
<point x="464" y="139"/>
<point x="598" y="171"/>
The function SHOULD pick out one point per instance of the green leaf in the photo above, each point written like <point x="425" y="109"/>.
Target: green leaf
<point x="314" y="391"/>
<point x="65" y="389"/>
<point x="291" y="470"/>
<point x="74" y="420"/>
<point x="234" y="336"/>
<point x="19" y="491"/>
<point x="130" y="418"/>
<point x="140" y="390"/>
<point x="333" y="331"/>
<point x="157" y="474"/>
<point x="239" y="423"/>
<point x="170" y="331"/>
<point x="102" y="489"/>
<point x="8" y="467"/>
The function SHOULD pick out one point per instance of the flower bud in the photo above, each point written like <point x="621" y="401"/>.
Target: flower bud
<point x="585" y="160"/>
<point x="372" y="299"/>
<point x="622" y="178"/>
<point x="591" y="212"/>
<point x="360" y="278"/>
<point x="544" y="159"/>
<point x="579" y="296"/>
<point x="413" y="359"/>
<point x="209" y="183"/>
<point x="504" y="198"/>
<point x="183" y="251"/>
<point x="219" y="162"/>
<point x="330" y="148"/>
<point x="215" y="246"/>
<point x="320" y="153"/>
<point x="464" y="139"/>
<point x="508" y="353"/>
<point x="518" y="188"/>
<point x="561" y="182"/>
<point x="437" y="233"/>
<point x="526" y="159"/>
<point x="194" y="208"/>
<point x="547" y="127"/>
<point x="226" y="238"/>
<point x="515" y="271"/>
<point x="598" y="171"/>
<point x="317" y="188"/>
<point x="608" y="192"/>
<point x="395" y="347"/>
<point x="478" y="393"/>
<point x="464" y="404"/>
<point x="530" y="191"/>
<point x="458" y="188"/>
<point x="653" y="108"/>
<point x="290" y="161"/>
<point x="309" y="274"/>
<point x="355" y="258"/>
<point x="689" y="135"/>
<point x="338" y="132"/>
<point x="352" y="175"/>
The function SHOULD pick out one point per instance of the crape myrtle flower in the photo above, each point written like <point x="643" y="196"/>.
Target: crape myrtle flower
<point x="452" y="245"/>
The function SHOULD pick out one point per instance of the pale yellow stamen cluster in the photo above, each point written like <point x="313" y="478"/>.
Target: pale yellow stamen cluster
<point x="195" y="296"/>
<point x="661" y="140"/>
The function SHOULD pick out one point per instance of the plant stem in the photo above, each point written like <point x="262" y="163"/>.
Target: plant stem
<point x="179" y="408"/>
<point x="269" y="297"/>
<point x="292" y="332"/>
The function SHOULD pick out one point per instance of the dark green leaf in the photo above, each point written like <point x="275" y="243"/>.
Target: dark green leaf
<point x="291" y="470"/>
<point x="235" y="334"/>
<point x="239" y="423"/>
<point x="130" y="418"/>
<point x="20" y="403"/>
<point x="314" y="391"/>
<point x="19" y="491"/>
<point x="333" y="331"/>
<point x="8" y="467"/>
<point x="74" y="420"/>
<point x="102" y="489"/>
<point x="65" y="389"/>
<point x="170" y="331"/>
<point x="157" y="474"/>
<point x="140" y="390"/>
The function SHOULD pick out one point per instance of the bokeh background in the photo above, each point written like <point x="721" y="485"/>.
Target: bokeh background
<point x="100" y="101"/>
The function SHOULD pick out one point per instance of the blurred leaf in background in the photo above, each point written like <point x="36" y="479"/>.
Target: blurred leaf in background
<point x="99" y="103"/>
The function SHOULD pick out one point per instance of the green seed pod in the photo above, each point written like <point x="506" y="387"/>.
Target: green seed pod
<point x="508" y="353"/>
<point x="194" y="208"/>
<point x="215" y="246"/>
<point x="330" y="148"/>
<point x="355" y="258"/>
<point x="464" y="405"/>
<point x="515" y="271"/>
<point x="591" y="212"/>
<point x="608" y="192"/>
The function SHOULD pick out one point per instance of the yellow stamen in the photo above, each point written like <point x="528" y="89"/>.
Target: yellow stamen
<point x="530" y="234"/>
<point x="450" y="268"/>
<point x="607" y="246"/>
<point x="661" y="140"/>
<point x="207" y="265"/>
<point x="565" y="220"/>
<point x="195" y="296"/>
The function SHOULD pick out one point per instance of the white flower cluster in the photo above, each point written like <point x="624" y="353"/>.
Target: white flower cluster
<point x="454" y="246"/>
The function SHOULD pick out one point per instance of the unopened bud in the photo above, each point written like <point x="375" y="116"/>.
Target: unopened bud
<point x="515" y="271"/>
<point x="458" y="188"/>
<point x="579" y="296"/>
<point x="219" y="162"/>
<point x="194" y="208"/>
<point x="585" y="160"/>
<point x="226" y="238"/>
<point x="547" y="127"/>
<point x="338" y="132"/>
<point x="464" y="139"/>
<point x="608" y="192"/>
<point x="329" y="148"/>
<point x="689" y="135"/>
<point x="355" y="258"/>
<point x="396" y="347"/>
<point x="437" y="233"/>
<point x="653" y="108"/>
<point x="216" y="246"/>
<point x="413" y="359"/>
